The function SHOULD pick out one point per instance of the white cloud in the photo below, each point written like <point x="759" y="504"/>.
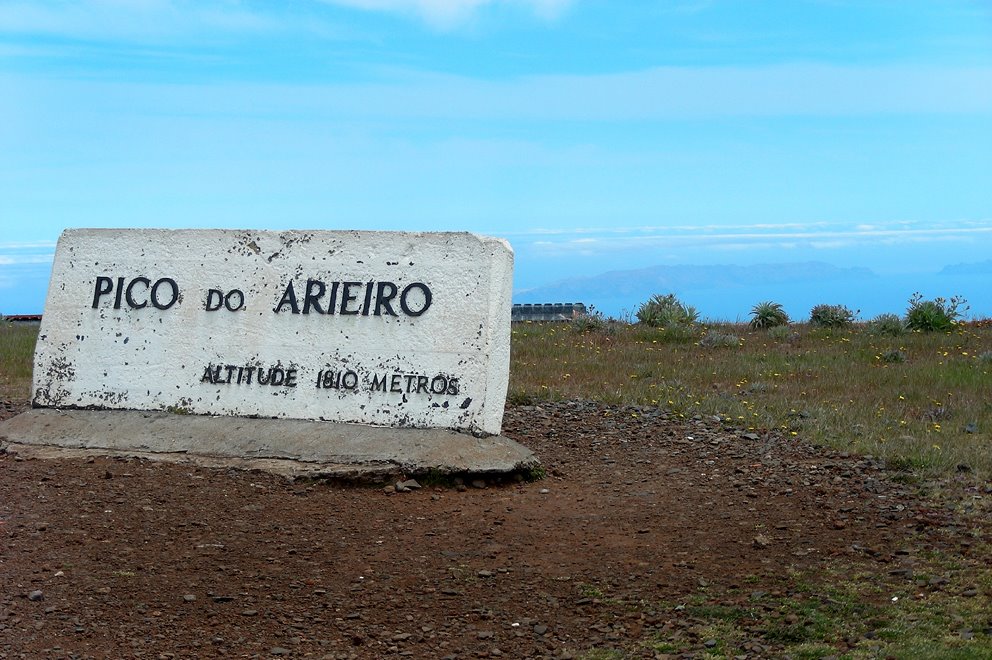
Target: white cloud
<point x="157" y="20"/>
<point x="655" y="94"/>
<point x="782" y="237"/>
<point x="447" y="14"/>
<point x="19" y="253"/>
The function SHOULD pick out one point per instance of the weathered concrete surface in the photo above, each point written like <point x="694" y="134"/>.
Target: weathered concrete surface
<point x="384" y="328"/>
<point x="347" y="451"/>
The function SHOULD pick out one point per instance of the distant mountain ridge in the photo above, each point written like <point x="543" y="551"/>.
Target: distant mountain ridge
<point x="973" y="268"/>
<point x="643" y="282"/>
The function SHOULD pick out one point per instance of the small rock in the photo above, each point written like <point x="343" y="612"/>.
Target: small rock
<point x="409" y="484"/>
<point x="710" y="643"/>
<point x="540" y="629"/>
<point x="249" y="612"/>
<point x="389" y="490"/>
<point x="36" y="595"/>
<point x="485" y="634"/>
<point x="762" y="541"/>
<point x="485" y="574"/>
<point x="478" y="483"/>
<point x="544" y="491"/>
<point x="970" y="592"/>
<point x="278" y="650"/>
<point x="189" y="598"/>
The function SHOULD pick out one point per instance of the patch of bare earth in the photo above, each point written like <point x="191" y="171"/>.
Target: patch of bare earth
<point x="107" y="557"/>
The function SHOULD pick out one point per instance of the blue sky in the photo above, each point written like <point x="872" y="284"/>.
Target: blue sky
<point x="593" y="135"/>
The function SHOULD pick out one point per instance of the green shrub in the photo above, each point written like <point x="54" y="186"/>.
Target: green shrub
<point x="887" y="324"/>
<point x="666" y="311"/>
<point x="716" y="339"/>
<point x="594" y="321"/>
<point x="831" y="316"/>
<point x="768" y="315"/>
<point x="934" y="315"/>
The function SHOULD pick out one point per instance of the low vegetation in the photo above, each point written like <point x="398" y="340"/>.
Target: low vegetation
<point x="667" y="311"/>
<point x="937" y="315"/>
<point x="16" y="358"/>
<point x="916" y="398"/>
<point x="768" y="314"/>
<point x="831" y="316"/>
<point x="888" y="325"/>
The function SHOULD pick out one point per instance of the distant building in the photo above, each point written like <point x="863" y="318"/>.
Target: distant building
<point x="547" y="312"/>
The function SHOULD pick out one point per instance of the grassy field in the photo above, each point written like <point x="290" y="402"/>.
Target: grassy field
<point x="922" y="401"/>
<point x="16" y="356"/>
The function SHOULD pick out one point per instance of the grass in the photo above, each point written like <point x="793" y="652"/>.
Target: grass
<point x="929" y="410"/>
<point x="16" y="359"/>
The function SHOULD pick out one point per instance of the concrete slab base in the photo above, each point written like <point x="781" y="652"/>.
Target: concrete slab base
<point x="285" y="446"/>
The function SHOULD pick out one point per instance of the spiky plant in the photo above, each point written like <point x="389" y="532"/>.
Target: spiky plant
<point x="667" y="312"/>
<point x="768" y="314"/>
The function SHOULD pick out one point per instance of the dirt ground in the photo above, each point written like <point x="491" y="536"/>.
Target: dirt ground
<point x="105" y="557"/>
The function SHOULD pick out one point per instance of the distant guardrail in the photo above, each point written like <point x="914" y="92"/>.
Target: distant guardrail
<point x="546" y="311"/>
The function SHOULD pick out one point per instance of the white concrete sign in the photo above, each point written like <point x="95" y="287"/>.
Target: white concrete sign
<point x="380" y="328"/>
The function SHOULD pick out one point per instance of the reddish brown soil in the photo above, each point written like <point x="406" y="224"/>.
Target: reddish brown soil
<point x="105" y="557"/>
